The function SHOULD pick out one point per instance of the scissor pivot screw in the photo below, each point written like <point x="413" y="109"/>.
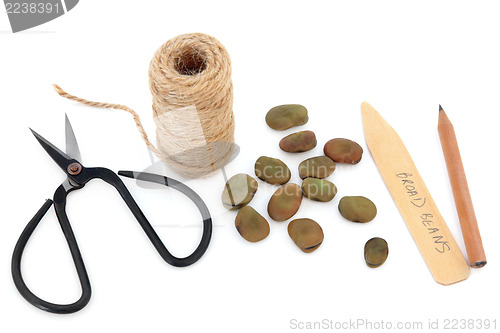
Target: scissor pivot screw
<point x="74" y="169"/>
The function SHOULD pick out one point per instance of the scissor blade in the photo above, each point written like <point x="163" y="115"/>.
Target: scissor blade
<point x="71" y="144"/>
<point x="61" y="158"/>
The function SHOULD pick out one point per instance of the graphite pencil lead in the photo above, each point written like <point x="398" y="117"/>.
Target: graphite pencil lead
<point x="440" y="107"/>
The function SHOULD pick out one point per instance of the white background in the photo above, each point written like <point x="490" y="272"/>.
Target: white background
<point x="403" y="57"/>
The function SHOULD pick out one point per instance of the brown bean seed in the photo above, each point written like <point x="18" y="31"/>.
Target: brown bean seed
<point x="343" y="151"/>
<point x="316" y="167"/>
<point x="376" y="252"/>
<point x="285" y="202"/>
<point x="357" y="209"/>
<point x="318" y="189"/>
<point x="272" y="170"/>
<point x="239" y="191"/>
<point x="298" y="142"/>
<point x="306" y="234"/>
<point x="285" y="116"/>
<point x="251" y="225"/>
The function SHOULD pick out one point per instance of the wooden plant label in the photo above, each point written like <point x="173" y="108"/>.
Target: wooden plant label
<point x="426" y="225"/>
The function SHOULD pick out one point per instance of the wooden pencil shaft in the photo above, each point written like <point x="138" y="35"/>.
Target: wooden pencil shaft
<point x="419" y="211"/>
<point x="461" y="193"/>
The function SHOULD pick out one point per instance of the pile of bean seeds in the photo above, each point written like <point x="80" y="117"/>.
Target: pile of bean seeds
<point x="306" y="233"/>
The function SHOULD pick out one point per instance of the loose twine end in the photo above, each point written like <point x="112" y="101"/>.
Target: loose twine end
<point x="137" y="120"/>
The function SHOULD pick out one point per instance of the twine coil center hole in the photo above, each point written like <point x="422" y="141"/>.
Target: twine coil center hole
<point x="190" y="61"/>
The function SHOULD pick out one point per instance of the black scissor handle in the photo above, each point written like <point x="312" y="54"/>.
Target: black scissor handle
<point x="111" y="178"/>
<point x="59" y="202"/>
<point x="202" y="207"/>
<point x="60" y="208"/>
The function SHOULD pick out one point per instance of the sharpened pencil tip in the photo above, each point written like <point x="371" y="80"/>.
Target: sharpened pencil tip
<point x="440" y="107"/>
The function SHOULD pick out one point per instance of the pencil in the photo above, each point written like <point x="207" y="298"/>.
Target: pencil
<point x="463" y="201"/>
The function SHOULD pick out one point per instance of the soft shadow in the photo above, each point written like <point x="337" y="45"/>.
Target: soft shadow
<point x="5" y="32"/>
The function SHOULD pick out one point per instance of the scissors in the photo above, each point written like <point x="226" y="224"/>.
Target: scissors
<point x="77" y="177"/>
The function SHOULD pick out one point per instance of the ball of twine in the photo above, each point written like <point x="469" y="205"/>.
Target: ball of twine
<point x="190" y="82"/>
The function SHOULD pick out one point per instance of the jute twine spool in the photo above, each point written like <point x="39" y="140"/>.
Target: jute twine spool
<point x="190" y="81"/>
